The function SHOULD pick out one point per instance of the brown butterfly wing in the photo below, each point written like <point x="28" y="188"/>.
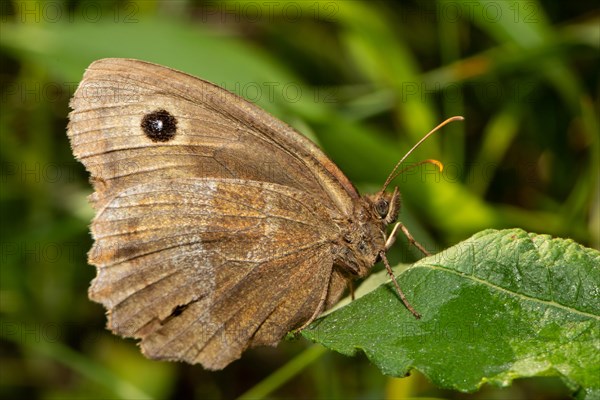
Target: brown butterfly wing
<point x="218" y="135"/>
<point x="201" y="269"/>
<point x="216" y="240"/>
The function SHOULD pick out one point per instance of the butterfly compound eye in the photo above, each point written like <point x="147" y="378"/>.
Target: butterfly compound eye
<point x="382" y="207"/>
<point x="159" y="126"/>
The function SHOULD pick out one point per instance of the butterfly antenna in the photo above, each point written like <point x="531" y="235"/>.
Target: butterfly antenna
<point x="393" y="174"/>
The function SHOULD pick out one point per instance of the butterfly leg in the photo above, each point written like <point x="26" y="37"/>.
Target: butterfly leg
<point x="320" y="308"/>
<point x="317" y="312"/>
<point x="392" y="238"/>
<point x="398" y="290"/>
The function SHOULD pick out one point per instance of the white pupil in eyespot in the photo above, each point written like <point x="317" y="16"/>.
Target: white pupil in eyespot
<point x="158" y="124"/>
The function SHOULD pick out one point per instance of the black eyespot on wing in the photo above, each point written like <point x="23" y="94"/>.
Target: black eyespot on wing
<point x="159" y="126"/>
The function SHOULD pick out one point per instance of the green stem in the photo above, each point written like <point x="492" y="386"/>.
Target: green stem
<point x="284" y="374"/>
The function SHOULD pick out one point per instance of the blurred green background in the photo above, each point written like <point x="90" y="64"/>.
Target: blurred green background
<point x="365" y="80"/>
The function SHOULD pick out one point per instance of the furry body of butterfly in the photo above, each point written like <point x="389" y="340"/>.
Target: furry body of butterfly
<point x="217" y="227"/>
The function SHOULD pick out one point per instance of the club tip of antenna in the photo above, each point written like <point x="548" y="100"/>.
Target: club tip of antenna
<point x="437" y="163"/>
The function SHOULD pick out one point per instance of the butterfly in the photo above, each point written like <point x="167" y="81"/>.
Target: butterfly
<point x="218" y="227"/>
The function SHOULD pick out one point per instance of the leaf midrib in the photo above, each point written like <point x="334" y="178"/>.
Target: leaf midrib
<point x="500" y="288"/>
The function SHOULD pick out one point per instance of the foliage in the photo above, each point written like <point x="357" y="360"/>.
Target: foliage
<point x="496" y="307"/>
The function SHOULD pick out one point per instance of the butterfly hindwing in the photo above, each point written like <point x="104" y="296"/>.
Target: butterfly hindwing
<point x="201" y="269"/>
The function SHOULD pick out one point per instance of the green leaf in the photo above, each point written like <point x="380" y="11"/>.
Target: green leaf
<point x="499" y="306"/>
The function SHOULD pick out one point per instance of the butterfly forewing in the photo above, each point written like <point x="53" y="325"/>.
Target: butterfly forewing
<point x="218" y="135"/>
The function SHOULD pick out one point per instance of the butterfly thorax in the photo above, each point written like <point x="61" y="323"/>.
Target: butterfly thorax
<point x="364" y="237"/>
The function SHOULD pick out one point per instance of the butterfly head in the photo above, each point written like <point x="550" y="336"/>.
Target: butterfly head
<point x="386" y="206"/>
